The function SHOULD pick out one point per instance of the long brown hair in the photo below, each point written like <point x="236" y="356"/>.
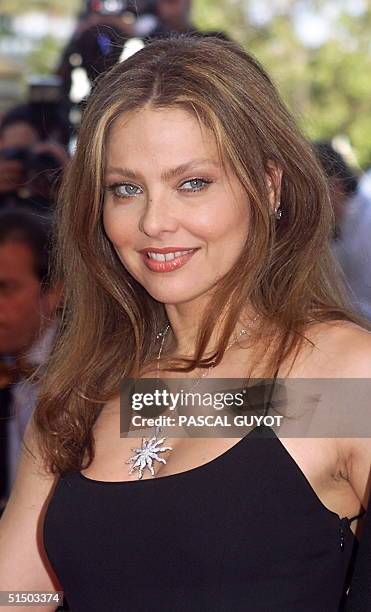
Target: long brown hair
<point x="109" y="322"/>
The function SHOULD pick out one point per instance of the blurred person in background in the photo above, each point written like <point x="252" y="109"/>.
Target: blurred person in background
<point x="16" y="133"/>
<point x="353" y="250"/>
<point x="100" y="35"/>
<point x="343" y="181"/>
<point x="27" y="325"/>
<point x="352" y="209"/>
<point x="351" y="200"/>
<point x="29" y="162"/>
<point x="104" y="28"/>
<point x="174" y="16"/>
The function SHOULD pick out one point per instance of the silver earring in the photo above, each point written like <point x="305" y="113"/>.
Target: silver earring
<point x="278" y="212"/>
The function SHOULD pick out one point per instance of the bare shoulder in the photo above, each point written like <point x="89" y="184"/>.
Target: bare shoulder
<point x="335" y="349"/>
<point x="342" y="350"/>
<point x="337" y="331"/>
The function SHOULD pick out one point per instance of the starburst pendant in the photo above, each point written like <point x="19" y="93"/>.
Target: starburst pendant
<point x="147" y="454"/>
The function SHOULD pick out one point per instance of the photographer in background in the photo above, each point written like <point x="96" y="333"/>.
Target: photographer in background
<point x="103" y="28"/>
<point x="29" y="163"/>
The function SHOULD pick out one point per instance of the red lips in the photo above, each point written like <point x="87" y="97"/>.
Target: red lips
<point x="170" y="265"/>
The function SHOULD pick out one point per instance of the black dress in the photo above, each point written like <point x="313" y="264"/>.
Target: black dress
<point x="360" y="590"/>
<point x="243" y="532"/>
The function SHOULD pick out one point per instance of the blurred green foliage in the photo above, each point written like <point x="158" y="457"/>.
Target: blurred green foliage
<point x="44" y="57"/>
<point x="56" y="7"/>
<point x="326" y="86"/>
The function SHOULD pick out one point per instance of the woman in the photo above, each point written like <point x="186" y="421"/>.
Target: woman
<point x="193" y="238"/>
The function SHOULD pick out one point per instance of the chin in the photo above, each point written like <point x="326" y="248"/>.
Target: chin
<point x="174" y="295"/>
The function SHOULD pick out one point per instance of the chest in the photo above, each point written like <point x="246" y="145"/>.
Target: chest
<point x="316" y="460"/>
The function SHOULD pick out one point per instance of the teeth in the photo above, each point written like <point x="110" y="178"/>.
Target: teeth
<point x="165" y="256"/>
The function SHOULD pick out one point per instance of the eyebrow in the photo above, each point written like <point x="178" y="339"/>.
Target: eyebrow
<point x="167" y="174"/>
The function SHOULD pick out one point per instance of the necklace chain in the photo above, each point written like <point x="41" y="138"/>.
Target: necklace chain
<point x="163" y="334"/>
<point x="148" y="452"/>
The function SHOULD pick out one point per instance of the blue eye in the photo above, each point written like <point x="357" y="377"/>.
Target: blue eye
<point x="195" y="184"/>
<point x="124" y="190"/>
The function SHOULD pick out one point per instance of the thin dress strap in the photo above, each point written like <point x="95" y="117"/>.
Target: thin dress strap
<point x="268" y="406"/>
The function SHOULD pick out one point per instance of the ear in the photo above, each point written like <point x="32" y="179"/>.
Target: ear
<point x="273" y="175"/>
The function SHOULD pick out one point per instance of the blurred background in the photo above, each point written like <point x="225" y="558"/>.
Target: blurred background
<point x="318" y="51"/>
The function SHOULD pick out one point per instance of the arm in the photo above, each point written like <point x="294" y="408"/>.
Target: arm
<point x="351" y="355"/>
<point x="360" y="478"/>
<point x="23" y="562"/>
<point x="360" y="589"/>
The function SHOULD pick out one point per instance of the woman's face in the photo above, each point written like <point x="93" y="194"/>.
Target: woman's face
<point x="177" y="219"/>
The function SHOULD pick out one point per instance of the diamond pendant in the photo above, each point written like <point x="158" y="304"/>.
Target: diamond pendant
<point x="147" y="454"/>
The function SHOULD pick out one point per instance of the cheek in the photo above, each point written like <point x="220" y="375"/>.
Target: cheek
<point x="119" y="230"/>
<point x="108" y="223"/>
<point x="224" y="222"/>
<point x="121" y="233"/>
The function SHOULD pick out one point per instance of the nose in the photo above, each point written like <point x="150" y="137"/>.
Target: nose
<point x="158" y="216"/>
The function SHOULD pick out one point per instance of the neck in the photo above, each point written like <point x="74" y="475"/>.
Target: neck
<point x="185" y="320"/>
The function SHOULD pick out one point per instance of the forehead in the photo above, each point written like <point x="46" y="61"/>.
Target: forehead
<point x="168" y="135"/>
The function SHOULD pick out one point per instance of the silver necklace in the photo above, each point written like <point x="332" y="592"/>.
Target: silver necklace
<point x="147" y="453"/>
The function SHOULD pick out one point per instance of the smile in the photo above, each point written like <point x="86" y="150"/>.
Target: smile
<point x="167" y="262"/>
